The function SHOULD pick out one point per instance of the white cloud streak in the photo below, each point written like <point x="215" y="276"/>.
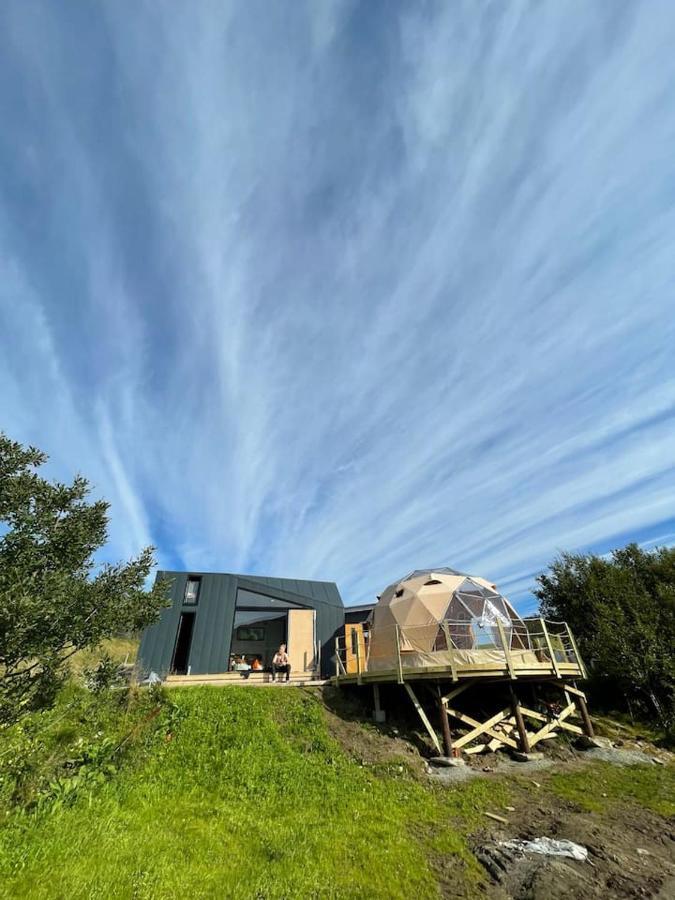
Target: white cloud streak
<point x="339" y="290"/>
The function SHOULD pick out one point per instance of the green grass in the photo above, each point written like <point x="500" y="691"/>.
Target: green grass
<point x="601" y="786"/>
<point x="120" y="649"/>
<point x="237" y="793"/>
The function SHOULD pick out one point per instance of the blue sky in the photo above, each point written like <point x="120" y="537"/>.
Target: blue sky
<point x="340" y="290"/>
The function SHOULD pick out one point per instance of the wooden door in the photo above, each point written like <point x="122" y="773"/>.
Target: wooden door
<point x="355" y="648"/>
<point x="302" y="641"/>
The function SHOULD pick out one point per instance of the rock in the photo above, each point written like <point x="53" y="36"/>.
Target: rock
<point x="447" y="761"/>
<point x="519" y="756"/>
<point x="642" y="852"/>
<point x="594" y="743"/>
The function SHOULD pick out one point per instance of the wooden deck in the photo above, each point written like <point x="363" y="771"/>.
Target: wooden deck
<point x="540" y="654"/>
<point x="543" y="670"/>
<point x="255" y="679"/>
<point x="537" y="650"/>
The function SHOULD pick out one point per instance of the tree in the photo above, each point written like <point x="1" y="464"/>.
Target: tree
<point x="54" y="597"/>
<point x="622" y="612"/>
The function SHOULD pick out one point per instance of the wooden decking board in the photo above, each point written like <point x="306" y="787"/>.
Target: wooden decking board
<point x="215" y="682"/>
<point x="489" y="670"/>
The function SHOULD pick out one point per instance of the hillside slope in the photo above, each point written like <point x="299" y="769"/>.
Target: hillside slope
<point x="245" y="793"/>
<point x="246" y="796"/>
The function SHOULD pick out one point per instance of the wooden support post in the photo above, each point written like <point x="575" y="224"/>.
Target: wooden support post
<point x="423" y="717"/>
<point x="580" y="662"/>
<point x="451" y="650"/>
<point x="398" y="656"/>
<point x="358" y="658"/>
<point x="507" y="649"/>
<point x="445" y="724"/>
<point x="554" y="661"/>
<point x="520" y="722"/>
<point x="338" y="661"/>
<point x="585" y="718"/>
<point x="378" y="713"/>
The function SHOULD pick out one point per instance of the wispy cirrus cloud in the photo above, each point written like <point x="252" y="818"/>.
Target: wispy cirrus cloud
<point x="339" y="290"/>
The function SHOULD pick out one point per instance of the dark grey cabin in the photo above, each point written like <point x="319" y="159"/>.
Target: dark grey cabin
<point x="214" y="616"/>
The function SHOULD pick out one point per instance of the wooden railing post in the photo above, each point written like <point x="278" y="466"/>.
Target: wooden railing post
<point x="398" y="654"/>
<point x="451" y="650"/>
<point x="580" y="662"/>
<point x="554" y="661"/>
<point x="507" y="649"/>
<point x="338" y="661"/>
<point x="358" y="659"/>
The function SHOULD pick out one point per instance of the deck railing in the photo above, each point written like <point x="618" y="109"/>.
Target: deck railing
<point x="460" y="646"/>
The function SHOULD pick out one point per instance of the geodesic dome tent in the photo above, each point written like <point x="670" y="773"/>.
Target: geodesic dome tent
<point x="429" y="611"/>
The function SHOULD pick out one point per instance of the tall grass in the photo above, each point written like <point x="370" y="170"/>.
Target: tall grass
<point x="242" y="793"/>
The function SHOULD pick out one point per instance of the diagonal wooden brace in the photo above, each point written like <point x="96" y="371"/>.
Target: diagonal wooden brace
<point x="423" y="717"/>
<point x="479" y="728"/>
<point x="558" y="722"/>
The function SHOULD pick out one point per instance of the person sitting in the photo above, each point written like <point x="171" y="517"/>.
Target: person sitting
<point x="281" y="664"/>
<point x="256" y="665"/>
<point x="243" y="667"/>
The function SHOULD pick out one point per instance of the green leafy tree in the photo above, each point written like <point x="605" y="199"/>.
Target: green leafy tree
<point x="54" y="598"/>
<point x="622" y="612"/>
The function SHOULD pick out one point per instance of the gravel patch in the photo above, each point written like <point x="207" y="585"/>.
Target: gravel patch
<point x="620" y="757"/>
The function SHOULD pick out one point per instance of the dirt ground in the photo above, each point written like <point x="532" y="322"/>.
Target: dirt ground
<point x="631" y="850"/>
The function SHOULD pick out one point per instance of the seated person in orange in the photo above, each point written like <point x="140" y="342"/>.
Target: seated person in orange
<point x="256" y="665"/>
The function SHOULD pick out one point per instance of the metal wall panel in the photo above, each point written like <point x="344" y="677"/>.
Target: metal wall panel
<point x="214" y="618"/>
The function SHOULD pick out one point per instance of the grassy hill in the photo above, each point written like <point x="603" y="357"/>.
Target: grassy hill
<point x="234" y="792"/>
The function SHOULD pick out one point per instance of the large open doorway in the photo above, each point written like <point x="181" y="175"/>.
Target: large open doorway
<point x="262" y="623"/>
<point x="181" y="650"/>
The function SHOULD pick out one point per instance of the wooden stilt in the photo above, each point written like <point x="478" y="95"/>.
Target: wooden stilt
<point x="423" y="717"/>
<point x="378" y="714"/>
<point x="585" y="718"/>
<point x="445" y="725"/>
<point x="520" y="722"/>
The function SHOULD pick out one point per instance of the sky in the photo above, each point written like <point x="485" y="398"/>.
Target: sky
<point x="339" y="290"/>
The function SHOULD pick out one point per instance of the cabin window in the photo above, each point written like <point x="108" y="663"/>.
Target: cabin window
<point x="192" y="591"/>
<point x="247" y="633"/>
